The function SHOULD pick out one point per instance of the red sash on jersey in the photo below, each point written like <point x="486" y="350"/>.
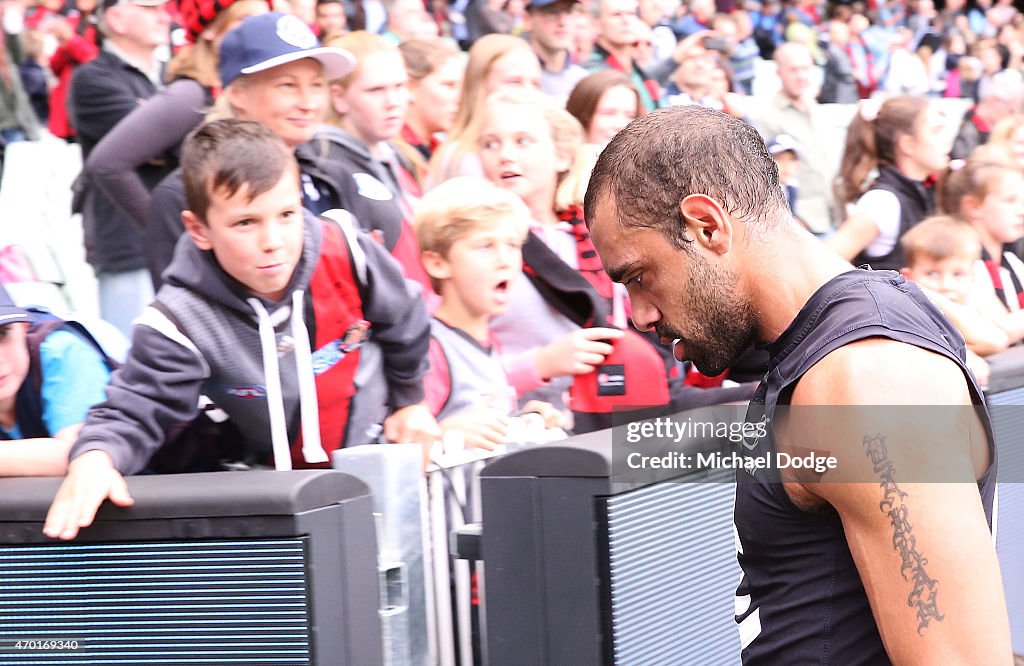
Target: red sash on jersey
<point x="340" y="328"/>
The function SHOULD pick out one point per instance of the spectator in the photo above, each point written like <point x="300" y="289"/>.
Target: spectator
<point x="898" y="141"/>
<point x="435" y="70"/>
<point x="999" y="97"/>
<point x="549" y="23"/>
<point x="285" y="90"/>
<point x="794" y="111"/>
<point x="214" y="331"/>
<point x="941" y="253"/>
<point x="367" y="174"/>
<point x="472" y="234"/>
<point x="1008" y="133"/>
<point x="604" y="102"/>
<point x="409" y="19"/>
<point x="53" y="372"/>
<point x="495" y="62"/>
<point x="697" y="19"/>
<point x="613" y="49"/>
<point x="908" y="71"/>
<point x="839" y="85"/>
<point x="33" y="76"/>
<point x="103" y="92"/>
<point x="740" y="48"/>
<point x="330" y="18"/>
<point x="18" y="121"/>
<point x="154" y="131"/>
<point x="76" y="44"/>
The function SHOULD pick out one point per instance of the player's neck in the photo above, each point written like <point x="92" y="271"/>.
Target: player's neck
<point x="790" y="271"/>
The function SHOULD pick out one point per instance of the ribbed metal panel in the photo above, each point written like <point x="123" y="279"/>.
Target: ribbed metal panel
<point x="1008" y="422"/>
<point x="673" y="574"/>
<point x="200" y="602"/>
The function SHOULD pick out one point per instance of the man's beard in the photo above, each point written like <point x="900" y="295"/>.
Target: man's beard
<point x="724" y="325"/>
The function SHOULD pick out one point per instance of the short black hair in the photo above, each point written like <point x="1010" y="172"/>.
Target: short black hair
<point x="662" y="157"/>
<point x="228" y="155"/>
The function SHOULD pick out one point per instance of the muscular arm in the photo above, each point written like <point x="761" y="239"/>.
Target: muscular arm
<point x="906" y="493"/>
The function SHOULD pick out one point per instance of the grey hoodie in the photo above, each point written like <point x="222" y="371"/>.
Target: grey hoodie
<point x="203" y="336"/>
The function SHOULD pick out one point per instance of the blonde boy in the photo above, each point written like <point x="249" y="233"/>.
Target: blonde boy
<point x="471" y="234"/>
<point x="941" y="252"/>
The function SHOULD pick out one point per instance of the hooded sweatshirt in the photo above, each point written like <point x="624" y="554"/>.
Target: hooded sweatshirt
<point x="262" y="362"/>
<point x="375" y="191"/>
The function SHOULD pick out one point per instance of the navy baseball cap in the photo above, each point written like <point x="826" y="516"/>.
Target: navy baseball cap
<point x="269" y="40"/>
<point x="541" y="4"/>
<point x="9" y="312"/>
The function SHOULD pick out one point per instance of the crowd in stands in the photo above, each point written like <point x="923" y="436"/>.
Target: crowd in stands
<point x="428" y="162"/>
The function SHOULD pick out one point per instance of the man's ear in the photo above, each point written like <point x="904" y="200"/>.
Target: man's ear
<point x="436" y="266"/>
<point x="196" y="230"/>
<point x="707" y="222"/>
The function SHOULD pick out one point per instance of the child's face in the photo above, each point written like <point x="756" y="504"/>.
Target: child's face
<point x="1001" y="214"/>
<point x="256" y="242"/>
<point x="13" y="362"/>
<point x="481" y="267"/>
<point x="436" y="96"/>
<point x="518" y="153"/>
<point x="375" y="102"/>
<point x="952" y="277"/>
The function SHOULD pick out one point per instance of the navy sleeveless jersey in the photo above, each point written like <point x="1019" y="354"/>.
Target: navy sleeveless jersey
<point x="801" y="600"/>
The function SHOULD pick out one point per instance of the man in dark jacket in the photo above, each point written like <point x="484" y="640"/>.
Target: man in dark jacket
<point x="104" y="91"/>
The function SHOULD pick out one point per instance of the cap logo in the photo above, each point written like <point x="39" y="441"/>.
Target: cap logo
<point x="293" y="31"/>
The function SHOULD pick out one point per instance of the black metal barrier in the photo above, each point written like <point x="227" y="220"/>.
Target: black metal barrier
<point x="223" y="568"/>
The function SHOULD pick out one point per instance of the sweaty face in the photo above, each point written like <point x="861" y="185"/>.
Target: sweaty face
<point x="680" y="293"/>
<point x="256" y="242"/>
<point x="289" y="99"/>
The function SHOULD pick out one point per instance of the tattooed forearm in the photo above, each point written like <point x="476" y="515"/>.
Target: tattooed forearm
<point x="924" y="595"/>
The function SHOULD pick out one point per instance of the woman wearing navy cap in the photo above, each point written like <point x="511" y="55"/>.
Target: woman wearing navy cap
<point x="274" y="72"/>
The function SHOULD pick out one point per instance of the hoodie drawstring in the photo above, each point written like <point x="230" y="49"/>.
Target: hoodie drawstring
<point x="312" y="451"/>
<point x="309" y="407"/>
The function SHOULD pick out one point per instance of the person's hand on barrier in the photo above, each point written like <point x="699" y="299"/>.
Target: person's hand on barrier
<point x="91" y="479"/>
<point x="481" y="428"/>
<point x="553" y="417"/>
<point x="575" y="353"/>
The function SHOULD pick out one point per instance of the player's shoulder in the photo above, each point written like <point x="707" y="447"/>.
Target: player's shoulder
<point x="882" y="371"/>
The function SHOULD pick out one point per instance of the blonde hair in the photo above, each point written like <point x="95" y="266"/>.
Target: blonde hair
<point x="1005" y="129"/>
<point x="456" y="207"/>
<point x="200" y="61"/>
<point x="361" y="44"/>
<point x="461" y="139"/>
<point x="566" y="132"/>
<point x="938" y="238"/>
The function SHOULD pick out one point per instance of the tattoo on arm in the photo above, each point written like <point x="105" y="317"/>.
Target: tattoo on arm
<point x="924" y="595"/>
